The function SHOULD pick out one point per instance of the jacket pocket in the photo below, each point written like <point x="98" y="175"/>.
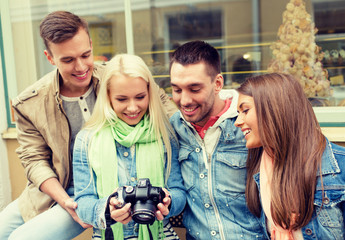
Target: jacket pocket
<point x="329" y="214"/>
<point x="187" y="169"/>
<point x="230" y="172"/>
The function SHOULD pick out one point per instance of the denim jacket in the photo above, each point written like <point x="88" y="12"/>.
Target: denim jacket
<point x="91" y="209"/>
<point x="329" y="213"/>
<point x="214" y="174"/>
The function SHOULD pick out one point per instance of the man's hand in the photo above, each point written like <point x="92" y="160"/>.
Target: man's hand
<point x="53" y="188"/>
<point x="163" y="208"/>
<point x="123" y="214"/>
<point x="70" y="206"/>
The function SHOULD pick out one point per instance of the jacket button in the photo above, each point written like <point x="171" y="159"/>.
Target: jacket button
<point x="326" y="200"/>
<point x="125" y="154"/>
<point x="308" y="231"/>
<point x="197" y="149"/>
<point x="213" y="233"/>
<point x="201" y="175"/>
<point x="207" y="205"/>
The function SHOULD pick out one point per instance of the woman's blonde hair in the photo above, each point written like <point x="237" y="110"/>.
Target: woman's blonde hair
<point x="103" y="114"/>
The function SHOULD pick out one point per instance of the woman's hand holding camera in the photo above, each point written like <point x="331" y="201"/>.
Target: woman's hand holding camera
<point x="118" y="213"/>
<point x="163" y="208"/>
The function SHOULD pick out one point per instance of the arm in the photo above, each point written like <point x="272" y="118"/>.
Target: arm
<point x="175" y="188"/>
<point x="53" y="188"/>
<point x="36" y="157"/>
<point x="33" y="151"/>
<point x="90" y="208"/>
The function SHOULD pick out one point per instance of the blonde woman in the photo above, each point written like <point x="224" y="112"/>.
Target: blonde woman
<point x="127" y="138"/>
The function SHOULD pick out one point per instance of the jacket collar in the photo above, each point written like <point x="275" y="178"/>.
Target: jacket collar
<point x="329" y="164"/>
<point x="56" y="86"/>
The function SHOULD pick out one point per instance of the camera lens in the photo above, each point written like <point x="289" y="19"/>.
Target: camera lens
<point x="144" y="212"/>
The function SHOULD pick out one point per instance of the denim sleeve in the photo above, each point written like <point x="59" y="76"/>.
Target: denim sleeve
<point x="90" y="208"/>
<point x="175" y="184"/>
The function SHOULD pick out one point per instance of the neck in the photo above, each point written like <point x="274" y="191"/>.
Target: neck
<point x="70" y="91"/>
<point x="219" y="105"/>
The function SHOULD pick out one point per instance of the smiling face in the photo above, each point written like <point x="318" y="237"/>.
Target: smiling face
<point x="74" y="60"/>
<point x="247" y="121"/>
<point x="129" y="98"/>
<point x="194" y="92"/>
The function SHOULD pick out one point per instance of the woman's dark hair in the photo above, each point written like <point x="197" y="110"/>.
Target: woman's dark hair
<point x="291" y="135"/>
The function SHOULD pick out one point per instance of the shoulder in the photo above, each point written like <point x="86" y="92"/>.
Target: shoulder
<point x="176" y="118"/>
<point x="98" y="70"/>
<point x="333" y="165"/>
<point x="37" y="90"/>
<point x="338" y="150"/>
<point x="339" y="155"/>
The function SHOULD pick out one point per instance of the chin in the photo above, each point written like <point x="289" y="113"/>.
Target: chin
<point x="250" y="146"/>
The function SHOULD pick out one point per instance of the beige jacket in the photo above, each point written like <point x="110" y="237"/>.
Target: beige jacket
<point x="44" y="138"/>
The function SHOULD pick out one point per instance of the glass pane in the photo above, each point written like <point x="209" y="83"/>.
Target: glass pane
<point x="242" y="30"/>
<point x="106" y="25"/>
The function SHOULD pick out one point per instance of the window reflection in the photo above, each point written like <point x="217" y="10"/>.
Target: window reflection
<point x="242" y="31"/>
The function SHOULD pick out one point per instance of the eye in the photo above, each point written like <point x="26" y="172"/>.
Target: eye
<point x="69" y="60"/>
<point x="86" y="55"/>
<point x="177" y="90"/>
<point x="141" y="97"/>
<point x="120" y="99"/>
<point x="195" y="90"/>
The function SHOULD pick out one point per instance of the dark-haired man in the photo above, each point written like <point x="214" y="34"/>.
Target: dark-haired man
<point x="212" y="151"/>
<point x="49" y="114"/>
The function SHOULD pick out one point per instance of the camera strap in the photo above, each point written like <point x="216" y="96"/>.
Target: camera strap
<point x="108" y="220"/>
<point x="150" y="233"/>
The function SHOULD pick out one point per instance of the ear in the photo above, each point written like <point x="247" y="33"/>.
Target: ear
<point x="49" y="57"/>
<point x="219" y="82"/>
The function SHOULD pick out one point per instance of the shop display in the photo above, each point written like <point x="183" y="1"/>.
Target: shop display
<point x="295" y="52"/>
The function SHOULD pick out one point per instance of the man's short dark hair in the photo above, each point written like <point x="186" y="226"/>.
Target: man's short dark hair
<point x="60" y="26"/>
<point x="195" y="52"/>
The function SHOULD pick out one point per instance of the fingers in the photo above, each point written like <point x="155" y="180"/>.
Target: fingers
<point x="115" y="203"/>
<point x="74" y="215"/>
<point x="162" y="211"/>
<point x="167" y="201"/>
<point x="85" y="225"/>
<point x="122" y="215"/>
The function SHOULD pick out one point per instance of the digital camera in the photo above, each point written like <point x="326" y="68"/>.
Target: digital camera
<point x="144" y="199"/>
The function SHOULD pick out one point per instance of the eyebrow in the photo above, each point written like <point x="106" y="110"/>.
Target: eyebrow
<point x="137" y="95"/>
<point x="241" y="105"/>
<point x="190" y="85"/>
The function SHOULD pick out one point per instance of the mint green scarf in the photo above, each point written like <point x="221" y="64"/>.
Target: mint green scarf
<point x="149" y="163"/>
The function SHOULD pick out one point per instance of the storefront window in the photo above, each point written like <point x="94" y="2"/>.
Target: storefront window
<point x="243" y="31"/>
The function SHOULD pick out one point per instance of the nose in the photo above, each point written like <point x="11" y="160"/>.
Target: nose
<point x="185" y="99"/>
<point x="239" y="121"/>
<point x="79" y="65"/>
<point x="132" y="106"/>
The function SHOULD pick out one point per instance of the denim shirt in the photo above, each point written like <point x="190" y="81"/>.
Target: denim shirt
<point x="329" y="213"/>
<point x="215" y="180"/>
<point x="91" y="209"/>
